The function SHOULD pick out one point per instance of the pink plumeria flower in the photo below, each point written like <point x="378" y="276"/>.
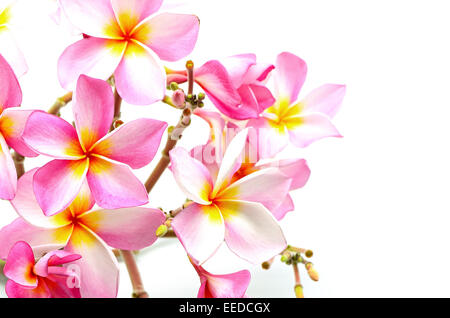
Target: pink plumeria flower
<point x="44" y="279"/>
<point x="12" y="123"/>
<point x="301" y="122"/>
<point x="225" y="211"/>
<point x="84" y="231"/>
<point x="8" y="45"/>
<point x="232" y="285"/>
<point x="214" y="79"/>
<point x="124" y="39"/>
<point x="211" y="154"/>
<point x="248" y="78"/>
<point x="88" y="152"/>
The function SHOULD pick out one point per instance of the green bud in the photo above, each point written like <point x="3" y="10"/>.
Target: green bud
<point x="299" y="291"/>
<point x="201" y="96"/>
<point x="161" y="230"/>
<point x="174" y="86"/>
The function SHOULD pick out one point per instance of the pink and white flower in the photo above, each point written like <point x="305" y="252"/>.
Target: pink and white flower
<point x="301" y="122"/>
<point x="44" y="279"/>
<point x="8" y="46"/>
<point x="88" y="153"/>
<point x="125" y="39"/>
<point x="226" y="211"/>
<point x="12" y="123"/>
<point x="232" y="285"/>
<point x="222" y="132"/>
<point x="84" y="231"/>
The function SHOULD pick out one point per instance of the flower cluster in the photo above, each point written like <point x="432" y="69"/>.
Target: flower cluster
<point x="86" y="203"/>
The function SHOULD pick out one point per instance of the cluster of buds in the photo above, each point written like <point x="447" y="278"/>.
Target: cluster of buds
<point x="179" y="99"/>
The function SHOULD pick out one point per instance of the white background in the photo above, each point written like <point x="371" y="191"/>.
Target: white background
<point x="376" y="209"/>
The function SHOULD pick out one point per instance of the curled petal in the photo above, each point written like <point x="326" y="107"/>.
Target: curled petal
<point x="134" y="143"/>
<point x="20" y="263"/>
<point x="171" y="36"/>
<point x="238" y="67"/>
<point x="281" y="210"/>
<point x="54" y="258"/>
<point x="12" y="125"/>
<point x="10" y="94"/>
<point x="14" y="290"/>
<point x="200" y="229"/>
<point x="114" y="185"/>
<point x="224" y="286"/>
<point x="126" y="229"/>
<point x="93" y="109"/>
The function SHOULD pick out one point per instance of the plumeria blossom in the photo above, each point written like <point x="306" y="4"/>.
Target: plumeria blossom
<point x="225" y="211"/>
<point x="8" y="45"/>
<point x="12" y="123"/>
<point x="301" y="122"/>
<point x="211" y="154"/>
<point x="84" y="231"/>
<point x="44" y="279"/>
<point x="125" y="39"/>
<point x="232" y="285"/>
<point x="248" y="78"/>
<point x="88" y="152"/>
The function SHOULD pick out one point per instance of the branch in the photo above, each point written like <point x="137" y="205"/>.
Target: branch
<point x="60" y="103"/>
<point x="19" y="164"/>
<point x="135" y="276"/>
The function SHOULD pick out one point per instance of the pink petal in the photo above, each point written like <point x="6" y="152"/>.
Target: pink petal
<point x="93" y="57"/>
<point x="251" y="231"/>
<point x="52" y="136"/>
<point x="131" y="12"/>
<point x="58" y="183"/>
<point x="126" y="229"/>
<point x="28" y="208"/>
<point x="140" y="79"/>
<point x="295" y="169"/>
<point x="267" y="186"/>
<point x="59" y="286"/>
<point x="99" y="271"/>
<point x="214" y="79"/>
<point x="191" y="175"/>
<point x="263" y="96"/>
<point x="14" y="290"/>
<point x="255" y="99"/>
<point x="12" y="125"/>
<point x="134" y="143"/>
<point x="286" y="206"/>
<point x="83" y="202"/>
<point x="268" y="140"/>
<point x="93" y="110"/>
<point x="232" y="285"/>
<point x="171" y="36"/>
<point x="94" y="18"/>
<point x="114" y="185"/>
<point x="290" y="74"/>
<point x="54" y="258"/>
<point x="8" y="175"/>
<point x="39" y="238"/>
<point x="231" y="162"/>
<point x="10" y="94"/>
<point x="19" y="265"/>
<point x="11" y="52"/>
<point x="309" y="128"/>
<point x="200" y="229"/>
<point x="238" y="66"/>
<point x="258" y="73"/>
<point x="326" y="99"/>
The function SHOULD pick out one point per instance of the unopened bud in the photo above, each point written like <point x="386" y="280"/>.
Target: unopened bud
<point x="313" y="274"/>
<point x="170" y="129"/>
<point x="161" y="230"/>
<point x="173" y="86"/>
<point x="201" y="96"/>
<point x="178" y="98"/>
<point x="186" y="121"/>
<point x="309" y="253"/>
<point x="299" y="291"/>
<point x="266" y="265"/>
<point x="189" y="65"/>
<point x="200" y="104"/>
<point x="118" y="123"/>
<point x="286" y="256"/>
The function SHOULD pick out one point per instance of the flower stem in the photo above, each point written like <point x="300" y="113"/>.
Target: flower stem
<point x="117" y="108"/>
<point x="19" y="164"/>
<point x="135" y="276"/>
<point x="298" y="288"/>
<point x="60" y="103"/>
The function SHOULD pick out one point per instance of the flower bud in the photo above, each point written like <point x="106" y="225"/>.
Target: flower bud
<point x="161" y="230"/>
<point x="173" y="86"/>
<point x="189" y="65"/>
<point x="309" y="253"/>
<point x="118" y="123"/>
<point x="178" y="98"/>
<point x="201" y="96"/>
<point x="313" y="274"/>
<point x="299" y="291"/>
